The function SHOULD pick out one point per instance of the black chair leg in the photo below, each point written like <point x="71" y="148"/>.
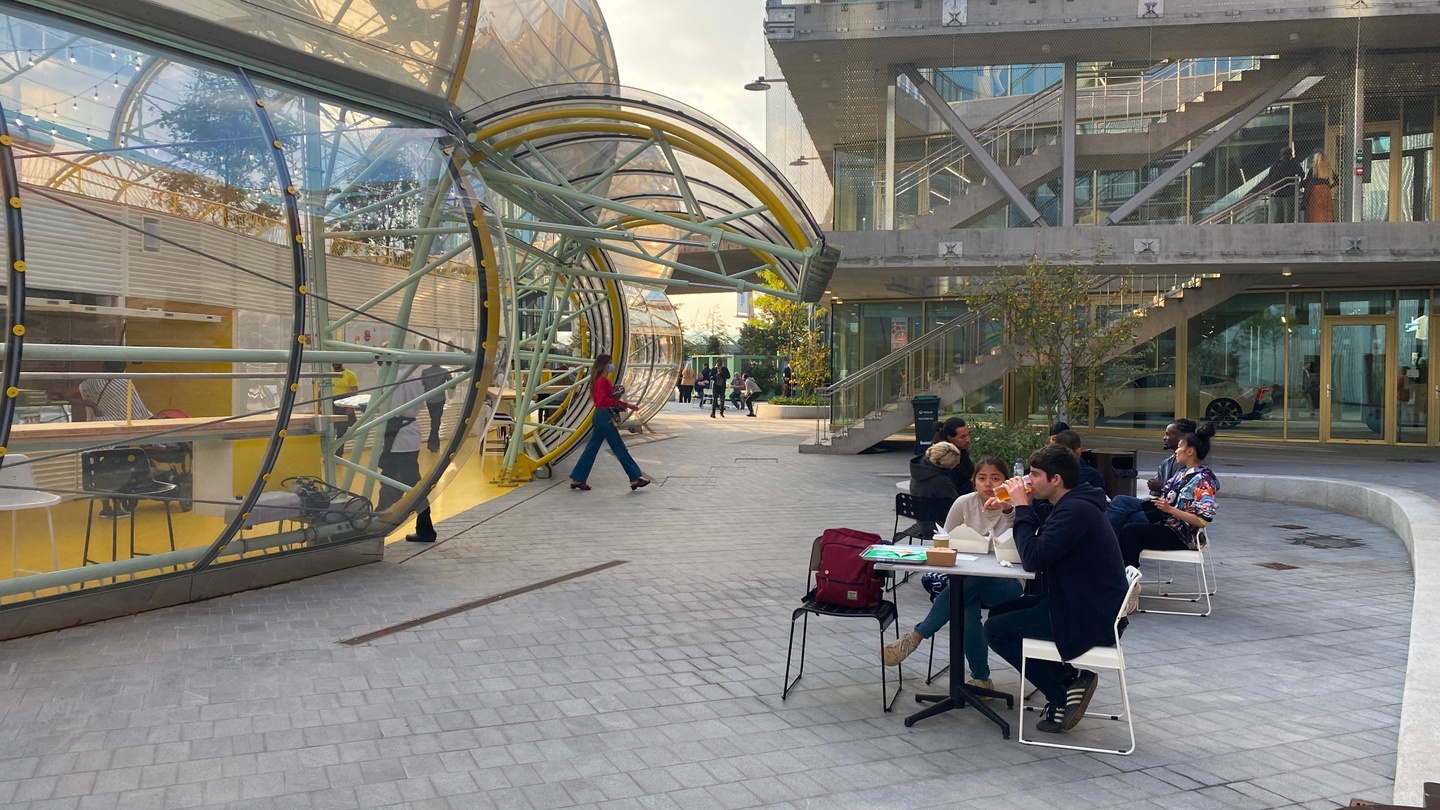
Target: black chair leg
<point x="89" y="520"/>
<point x="930" y="673"/>
<point x="170" y="525"/>
<point x="790" y="651"/>
<point x="886" y="699"/>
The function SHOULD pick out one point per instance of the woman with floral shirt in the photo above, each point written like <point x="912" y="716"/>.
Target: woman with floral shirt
<point x="1185" y="505"/>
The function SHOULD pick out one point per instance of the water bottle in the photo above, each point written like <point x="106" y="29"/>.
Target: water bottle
<point x="1017" y="470"/>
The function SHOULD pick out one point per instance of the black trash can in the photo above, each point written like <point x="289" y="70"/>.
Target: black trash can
<point x="927" y="411"/>
<point x="1118" y="469"/>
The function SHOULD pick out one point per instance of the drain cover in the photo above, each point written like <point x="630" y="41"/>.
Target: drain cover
<point x="1290" y="526"/>
<point x="1413" y="460"/>
<point x="1325" y="541"/>
<point x="757" y="461"/>
<point x="695" y="481"/>
<point x="1278" y="566"/>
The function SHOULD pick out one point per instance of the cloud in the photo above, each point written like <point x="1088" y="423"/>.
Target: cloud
<point x="701" y="52"/>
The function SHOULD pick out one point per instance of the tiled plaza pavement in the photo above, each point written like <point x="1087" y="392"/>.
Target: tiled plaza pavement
<point x="656" y="684"/>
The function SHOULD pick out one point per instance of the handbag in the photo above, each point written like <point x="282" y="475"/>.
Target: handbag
<point x="617" y="415"/>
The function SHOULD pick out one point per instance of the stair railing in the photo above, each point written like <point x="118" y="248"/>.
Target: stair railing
<point x="1247" y="209"/>
<point x="892" y="380"/>
<point x="1041" y="110"/>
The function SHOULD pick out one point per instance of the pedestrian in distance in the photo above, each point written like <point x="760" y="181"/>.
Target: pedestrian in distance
<point x="752" y="393"/>
<point x="719" y="379"/>
<point x="687" y="381"/>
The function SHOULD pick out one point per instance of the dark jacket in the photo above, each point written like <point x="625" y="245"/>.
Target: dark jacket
<point x="1090" y="475"/>
<point x="929" y="481"/>
<point x="720" y="377"/>
<point x="1280" y="170"/>
<point x="963" y="474"/>
<point x="1077" y="558"/>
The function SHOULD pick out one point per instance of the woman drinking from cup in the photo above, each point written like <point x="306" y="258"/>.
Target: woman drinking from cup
<point x="982" y="511"/>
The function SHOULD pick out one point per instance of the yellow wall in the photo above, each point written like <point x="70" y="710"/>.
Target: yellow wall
<point x="194" y="397"/>
<point x="299" y="455"/>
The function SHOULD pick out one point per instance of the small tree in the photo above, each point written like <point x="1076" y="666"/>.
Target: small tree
<point x="1049" y="310"/>
<point x="789" y="328"/>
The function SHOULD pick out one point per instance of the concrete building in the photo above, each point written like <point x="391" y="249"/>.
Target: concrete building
<point x="964" y="136"/>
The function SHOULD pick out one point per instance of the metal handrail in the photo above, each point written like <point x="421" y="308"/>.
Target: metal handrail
<point x="1025" y="112"/>
<point x="891" y="376"/>
<point x="1227" y="214"/>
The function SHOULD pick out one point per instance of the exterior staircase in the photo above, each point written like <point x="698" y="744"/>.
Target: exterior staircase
<point x="968" y="353"/>
<point x="1123" y="150"/>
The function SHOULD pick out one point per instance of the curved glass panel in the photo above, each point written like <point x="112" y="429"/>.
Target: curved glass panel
<point x="201" y="253"/>
<point x="520" y="44"/>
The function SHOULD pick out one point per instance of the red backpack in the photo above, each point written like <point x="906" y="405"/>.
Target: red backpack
<point x="844" y="578"/>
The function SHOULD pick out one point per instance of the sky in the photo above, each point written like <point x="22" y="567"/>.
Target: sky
<point x="701" y="52"/>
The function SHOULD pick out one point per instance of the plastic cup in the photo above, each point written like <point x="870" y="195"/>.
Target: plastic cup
<point x="1002" y="494"/>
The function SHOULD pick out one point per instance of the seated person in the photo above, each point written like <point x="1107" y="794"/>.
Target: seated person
<point x="1077" y="561"/>
<point x="737" y="390"/>
<point x="1185" y="505"/>
<point x="112" y="399"/>
<point x="1088" y="474"/>
<point x="955" y="431"/>
<point x="983" y="512"/>
<point x="1126" y="509"/>
<point x="930" y="480"/>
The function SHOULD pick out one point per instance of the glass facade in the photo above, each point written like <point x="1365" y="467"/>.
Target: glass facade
<point x="1230" y="185"/>
<point x="1331" y="365"/>
<point x="234" y="303"/>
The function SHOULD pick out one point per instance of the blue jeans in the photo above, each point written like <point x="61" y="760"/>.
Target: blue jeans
<point x="603" y="430"/>
<point x="1126" y="510"/>
<point x="1005" y="634"/>
<point x="979" y="591"/>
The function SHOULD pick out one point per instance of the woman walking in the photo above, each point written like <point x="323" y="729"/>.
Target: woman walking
<point x="602" y="429"/>
<point x="1320" y="204"/>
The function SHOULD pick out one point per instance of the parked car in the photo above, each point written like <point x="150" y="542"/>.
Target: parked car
<point x="1221" y="399"/>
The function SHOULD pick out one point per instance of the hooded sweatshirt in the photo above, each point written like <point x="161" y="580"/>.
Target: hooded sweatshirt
<point x="1077" y="558"/>
<point x="929" y="481"/>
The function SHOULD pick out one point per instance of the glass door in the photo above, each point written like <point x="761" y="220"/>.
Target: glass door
<point x="1357" y="380"/>
<point x="1383" y="179"/>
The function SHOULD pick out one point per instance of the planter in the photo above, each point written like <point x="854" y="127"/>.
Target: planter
<point x="765" y="410"/>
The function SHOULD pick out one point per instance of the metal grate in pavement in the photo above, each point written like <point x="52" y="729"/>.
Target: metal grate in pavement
<point x="1325" y="541"/>
<point x="690" y="481"/>
<point x="757" y="461"/>
<point x="1278" y="566"/>
<point x="1290" y="526"/>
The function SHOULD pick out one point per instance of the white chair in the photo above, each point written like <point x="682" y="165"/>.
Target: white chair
<point x="1206" y="584"/>
<point x="1094" y="658"/>
<point x="18" y="493"/>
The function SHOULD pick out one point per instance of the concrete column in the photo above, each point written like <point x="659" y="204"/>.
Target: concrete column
<point x="1067" y="144"/>
<point x="889" y="221"/>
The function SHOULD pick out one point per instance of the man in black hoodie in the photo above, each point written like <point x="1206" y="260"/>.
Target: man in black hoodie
<point x="1076" y="559"/>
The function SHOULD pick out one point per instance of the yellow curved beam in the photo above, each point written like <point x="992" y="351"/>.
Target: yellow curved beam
<point x="640" y="127"/>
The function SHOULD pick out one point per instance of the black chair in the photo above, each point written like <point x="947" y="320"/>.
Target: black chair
<point x="886" y="613"/>
<point x="123" y="476"/>
<point x="926" y="512"/>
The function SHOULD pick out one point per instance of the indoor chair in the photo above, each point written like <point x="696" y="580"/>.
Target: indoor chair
<point x="123" y="476"/>
<point x="1094" y="658"/>
<point x="18" y="493"/>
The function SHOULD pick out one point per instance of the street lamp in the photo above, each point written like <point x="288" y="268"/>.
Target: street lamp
<point x="761" y="84"/>
<point x="803" y="161"/>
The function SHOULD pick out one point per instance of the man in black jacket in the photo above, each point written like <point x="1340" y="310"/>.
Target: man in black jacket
<point x="956" y="432"/>
<point x="1283" y="198"/>
<point x="1076" y="559"/>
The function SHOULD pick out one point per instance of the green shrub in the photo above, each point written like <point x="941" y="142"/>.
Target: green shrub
<point x="805" y="400"/>
<point x="1005" y="441"/>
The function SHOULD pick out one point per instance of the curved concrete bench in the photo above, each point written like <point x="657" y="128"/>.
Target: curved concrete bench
<point x="1416" y="520"/>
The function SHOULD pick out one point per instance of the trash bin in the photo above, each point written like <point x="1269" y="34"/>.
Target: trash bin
<point x="927" y="411"/>
<point x="1118" y="469"/>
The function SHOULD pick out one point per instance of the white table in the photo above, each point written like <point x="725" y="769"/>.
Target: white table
<point x="960" y="694"/>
